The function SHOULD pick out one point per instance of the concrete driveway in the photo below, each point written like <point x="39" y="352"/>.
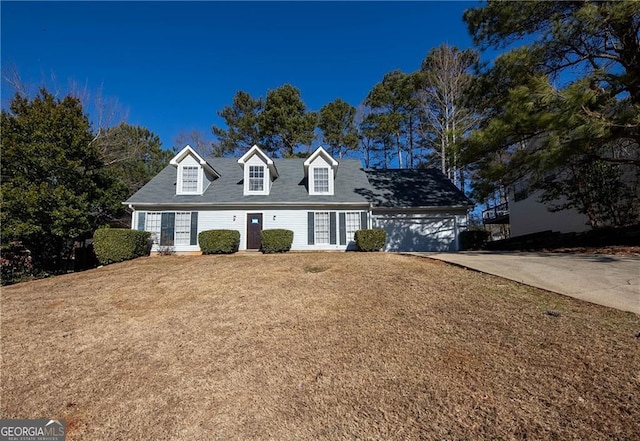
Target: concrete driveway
<point x="612" y="281"/>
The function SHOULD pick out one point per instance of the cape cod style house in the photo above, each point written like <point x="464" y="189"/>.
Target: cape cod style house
<point x="322" y="200"/>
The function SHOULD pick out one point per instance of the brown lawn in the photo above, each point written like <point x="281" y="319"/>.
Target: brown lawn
<point x="315" y="346"/>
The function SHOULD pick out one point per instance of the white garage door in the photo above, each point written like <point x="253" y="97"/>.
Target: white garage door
<point x="418" y="234"/>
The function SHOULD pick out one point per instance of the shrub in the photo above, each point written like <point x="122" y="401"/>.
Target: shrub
<point x="276" y="241"/>
<point x="370" y="240"/>
<point x="219" y="241"/>
<point x="117" y="244"/>
<point x="16" y="263"/>
<point x="473" y="239"/>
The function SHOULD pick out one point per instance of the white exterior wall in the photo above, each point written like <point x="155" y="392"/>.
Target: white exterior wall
<point x="295" y="220"/>
<point x="529" y="216"/>
<point x="421" y="231"/>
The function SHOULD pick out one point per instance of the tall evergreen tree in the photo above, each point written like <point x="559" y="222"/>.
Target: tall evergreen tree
<point x="133" y="154"/>
<point x="566" y="99"/>
<point x="393" y="117"/>
<point x="54" y="186"/>
<point x="242" y="119"/>
<point x="285" y="123"/>
<point x="337" y="122"/>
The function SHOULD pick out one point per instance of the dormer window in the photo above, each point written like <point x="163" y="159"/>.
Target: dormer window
<point x="256" y="178"/>
<point x="194" y="174"/>
<point x="259" y="172"/>
<point x="190" y="179"/>
<point x="320" y="170"/>
<point x="321" y="180"/>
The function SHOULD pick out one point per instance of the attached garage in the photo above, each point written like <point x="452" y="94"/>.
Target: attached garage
<point x="420" y="232"/>
<point x="421" y="210"/>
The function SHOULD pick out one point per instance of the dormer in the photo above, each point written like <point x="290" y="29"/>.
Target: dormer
<point x="194" y="174"/>
<point x="259" y="172"/>
<point x="320" y="170"/>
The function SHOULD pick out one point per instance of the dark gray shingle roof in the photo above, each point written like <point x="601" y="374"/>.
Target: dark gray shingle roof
<point x="289" y="187"/>
<point x="401" y="188"/>
<point x="407" y="188"/>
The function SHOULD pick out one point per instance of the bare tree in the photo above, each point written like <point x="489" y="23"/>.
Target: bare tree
<point x="198" y="140"/>
<point x="444" y="117"/>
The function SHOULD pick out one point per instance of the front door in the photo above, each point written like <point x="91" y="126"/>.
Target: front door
<point x="254" y="227"/>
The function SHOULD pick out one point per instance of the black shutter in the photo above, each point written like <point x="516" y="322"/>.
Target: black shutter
<point x="363" y="220"/>
<point x="167" y="228"/>
<point x="343" y="228"/>
<point x="142" y="216"/>
<point x="310" y="228"/>
<point x="194" y="228"/>
<point x="332" y="228"/>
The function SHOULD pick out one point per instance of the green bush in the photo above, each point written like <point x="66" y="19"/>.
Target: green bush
<point x="276" y="241"/>
<point x="219" y="241"/>
<point x="473" y="239"/>
<point x="117" y="244"/>
<point x="370" y="240"/>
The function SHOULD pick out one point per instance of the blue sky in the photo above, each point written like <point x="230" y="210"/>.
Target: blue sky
<point x="174" y="65"/>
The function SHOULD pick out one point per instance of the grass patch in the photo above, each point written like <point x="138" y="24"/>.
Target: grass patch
<point x="258" y="347"/>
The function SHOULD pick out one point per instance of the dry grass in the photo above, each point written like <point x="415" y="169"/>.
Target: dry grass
<point x="315" y="346"/>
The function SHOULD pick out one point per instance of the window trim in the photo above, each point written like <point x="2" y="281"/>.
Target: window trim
<point x="187" y="220"/>
<point x="316" y="230"/>
<point x="181" y="176"/>
<point x="249" y="178"/>
<point x="312" y="180"/>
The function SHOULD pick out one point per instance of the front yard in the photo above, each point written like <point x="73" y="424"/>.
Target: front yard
<point x="314" y="346"/>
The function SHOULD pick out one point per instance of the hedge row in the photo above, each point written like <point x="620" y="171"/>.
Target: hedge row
<point x="370" y="240"/>
<point x="276" y="241"/>
<point x="219" y="241"/>
<point x="118" y="244"/>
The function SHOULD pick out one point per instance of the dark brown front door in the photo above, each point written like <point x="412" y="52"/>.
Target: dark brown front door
<point x="254" y="227"/>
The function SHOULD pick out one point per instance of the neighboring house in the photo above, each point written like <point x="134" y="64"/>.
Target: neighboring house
<point x="321" y="200"/>
<point x="527" y="215"/>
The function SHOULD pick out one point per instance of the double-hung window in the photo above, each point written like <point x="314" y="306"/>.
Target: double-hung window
<point x="321" y="180"/>
<point x="152" y="225"/>
<point x="190" y="179"/>
<point x="183" y="228"/>
<point x="321" y="228"/>
<point x="256" y="178"/>
<point x="352" y="224"/>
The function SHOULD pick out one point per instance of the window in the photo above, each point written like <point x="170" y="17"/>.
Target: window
<point x="183" y="228"/>
<point x="321" y="228"/>
<point x="152" y="225"/>
<point x="256" y="178"/>
<point x="321" y="180"/>
<point x="170" y="228"/>
<point x="189" y="179"/>
<point x="352" y="224"/>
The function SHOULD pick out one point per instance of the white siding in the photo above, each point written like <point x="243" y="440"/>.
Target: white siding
<point x="529" y="216"/>
<point x="294" y="220"/>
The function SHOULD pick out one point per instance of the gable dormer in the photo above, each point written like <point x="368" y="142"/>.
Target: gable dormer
<point x="194" y="174"/>
<point x="259" y="172"/>
<point x="320" y="170"/>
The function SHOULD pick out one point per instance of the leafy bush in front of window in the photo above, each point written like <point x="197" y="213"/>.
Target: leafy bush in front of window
<point x="276" y="241"/>
<point x="370" y="240"/>
<point x="473" y="239"/>
<point x="113" y="245"/>
<point x="219" y="241"/>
